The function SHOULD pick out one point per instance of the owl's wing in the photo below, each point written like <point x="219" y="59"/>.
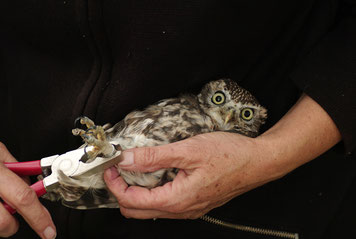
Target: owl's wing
<point x="116" y="129"/>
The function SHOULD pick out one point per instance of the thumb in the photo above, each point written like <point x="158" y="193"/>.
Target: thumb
<point x="150" y="159"/>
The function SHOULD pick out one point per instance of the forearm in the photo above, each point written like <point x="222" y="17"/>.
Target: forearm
<point x="303" y="134"/>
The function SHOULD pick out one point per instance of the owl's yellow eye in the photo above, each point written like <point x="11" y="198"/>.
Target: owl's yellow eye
<point x="247" y="114"/>
<point x="218" y="98"/>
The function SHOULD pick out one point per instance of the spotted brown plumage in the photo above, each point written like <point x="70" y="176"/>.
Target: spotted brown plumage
<point x="221" y="105"/>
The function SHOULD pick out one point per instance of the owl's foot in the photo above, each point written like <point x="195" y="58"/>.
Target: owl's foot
<point x="95" y="136"/>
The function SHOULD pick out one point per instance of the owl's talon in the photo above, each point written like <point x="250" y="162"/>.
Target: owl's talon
<point x="95" y="136"/>
<point x="77" y="132"/>
<point x="84" y="120"/>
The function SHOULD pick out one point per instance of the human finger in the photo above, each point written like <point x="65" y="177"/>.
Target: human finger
<point x="149" y="159"/>
<point x="140" y="213"/>
<point x="15" y="192"/>
<point x="6" y="156"/>
<point x="153" y="214"/>
<point x="165" y="196"/>
<point x="8" y="224"/>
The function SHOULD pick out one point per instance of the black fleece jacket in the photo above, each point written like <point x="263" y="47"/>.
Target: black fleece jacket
<point x="103" y="59"/>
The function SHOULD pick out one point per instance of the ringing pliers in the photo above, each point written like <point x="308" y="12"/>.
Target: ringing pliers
<point x="70" y="163"/>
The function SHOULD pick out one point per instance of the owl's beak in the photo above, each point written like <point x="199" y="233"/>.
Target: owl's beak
<point x="229" y="115"/>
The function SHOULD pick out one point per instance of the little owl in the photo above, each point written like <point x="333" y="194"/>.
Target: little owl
<point x="221" y="105"/>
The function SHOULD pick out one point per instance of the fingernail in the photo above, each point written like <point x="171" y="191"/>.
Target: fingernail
<point x="111" y="173"/>
<point x="108" y="173"/>
<point x="128" y="159"/>
<point x="49" y="233"/>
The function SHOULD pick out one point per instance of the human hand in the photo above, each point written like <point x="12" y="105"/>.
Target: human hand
<point x="214" y="168"/>
<point x="17" y="193"/>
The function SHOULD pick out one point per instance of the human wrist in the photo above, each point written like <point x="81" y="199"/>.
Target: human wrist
<point x="261" y="158"/>
<point x="303" y="134"/>
<point x="277" y="159"/>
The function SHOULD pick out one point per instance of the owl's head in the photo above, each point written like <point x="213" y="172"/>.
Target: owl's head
<point x="232" y="107"/>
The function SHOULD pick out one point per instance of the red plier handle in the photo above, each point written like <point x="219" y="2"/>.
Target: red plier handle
<point x="27" y="169"/>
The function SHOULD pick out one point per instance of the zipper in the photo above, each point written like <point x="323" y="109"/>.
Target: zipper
<point x="262" y="231"/>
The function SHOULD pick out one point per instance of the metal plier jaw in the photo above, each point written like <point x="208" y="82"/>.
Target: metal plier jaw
<point x="71" y="165"/>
